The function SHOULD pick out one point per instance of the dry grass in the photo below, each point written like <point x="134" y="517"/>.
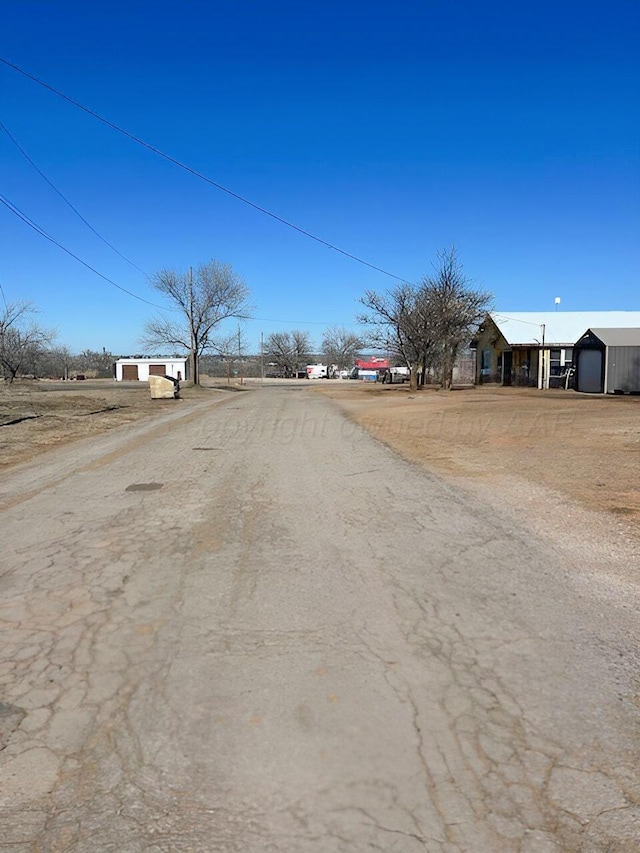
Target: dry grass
<point x="37" y="416"/>
<point x="584" y="447"/>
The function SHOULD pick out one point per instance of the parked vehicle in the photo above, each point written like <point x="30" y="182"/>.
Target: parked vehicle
<point x="395" y="375"/>
<point x="368" y="375"/>
<point x="317" y="371"/>
<point x="322" y="371"/>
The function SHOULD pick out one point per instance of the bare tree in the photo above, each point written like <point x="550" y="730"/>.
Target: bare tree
<point x="455" y="308"/>
<point x="288" y="350"/>
<point x="233" y="349"/>
<point x="399" y="323"/>
<point x="22" y="340"/>
<point x="427" y="324"/>
<point x="277" y="348"/>
<point x="98" y="363"/>
<point x="56" y="362"/>
<point x="63" y="358"/>
<point x="301" y="343"/>
<point x="340" y="346"/>
<point x="205" y="297"/>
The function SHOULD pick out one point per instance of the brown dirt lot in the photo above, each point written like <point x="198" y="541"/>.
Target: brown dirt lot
<point x="585" y="448"/>
<point x="37" y="416"/>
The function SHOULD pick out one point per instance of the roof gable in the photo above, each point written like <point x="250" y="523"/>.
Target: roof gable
<point x="617" y="337"/>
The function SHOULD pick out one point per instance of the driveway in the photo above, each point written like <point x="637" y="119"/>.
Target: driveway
<point x="249" y="627"/>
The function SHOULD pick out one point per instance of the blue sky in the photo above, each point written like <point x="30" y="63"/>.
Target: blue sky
<point x="391" y="130"/>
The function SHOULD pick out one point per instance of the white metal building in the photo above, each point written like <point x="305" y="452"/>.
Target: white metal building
<point x="139" y="369"/>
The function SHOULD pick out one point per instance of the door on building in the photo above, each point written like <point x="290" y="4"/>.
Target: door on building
<point x="157" y="369"/>
<point x="507" y="364"/>
<point x="130" y="372"/>
<point x="590" y="373"/>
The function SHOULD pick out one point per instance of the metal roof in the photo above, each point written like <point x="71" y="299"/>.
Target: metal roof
<point x="372" y="363"/>
<point x="618" y="337"/>
<point x="561" y="328"/>
<point x="145" y="359"/>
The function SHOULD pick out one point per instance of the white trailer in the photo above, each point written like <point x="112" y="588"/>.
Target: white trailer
<point x="317" y="371"/>
<point x="395" y="375"/>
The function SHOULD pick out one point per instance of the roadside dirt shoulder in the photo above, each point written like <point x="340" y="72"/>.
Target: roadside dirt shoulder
<point x="567" y="465"/>
<point x="38" y="416"/>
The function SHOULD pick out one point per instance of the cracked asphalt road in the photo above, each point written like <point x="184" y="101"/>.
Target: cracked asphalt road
<point x="250" y="627"/>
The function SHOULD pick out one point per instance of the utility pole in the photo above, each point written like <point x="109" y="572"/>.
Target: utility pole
<point x="194" y="365"/>
<point x="541" y="366"/>
<point x="262" y="357"/>
<point x="240" y="356"/>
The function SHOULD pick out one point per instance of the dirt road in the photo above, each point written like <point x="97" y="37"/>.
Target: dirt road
<point x="247" y="626"/>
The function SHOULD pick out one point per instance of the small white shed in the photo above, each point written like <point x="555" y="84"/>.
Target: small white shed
<point x="139" y="369"/>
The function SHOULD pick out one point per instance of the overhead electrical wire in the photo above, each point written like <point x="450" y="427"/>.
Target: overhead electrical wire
<point x="293" y="322"/>
<point x="39" y="230"/>
<point x="516" y="319"/>
<point x="23" y="216"/>
<point x="198" y="174"/>
<point x="17" y="212"/>
<point x="66" y="201"/>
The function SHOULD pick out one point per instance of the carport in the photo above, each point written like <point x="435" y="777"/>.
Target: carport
<point x="607" y="361"/>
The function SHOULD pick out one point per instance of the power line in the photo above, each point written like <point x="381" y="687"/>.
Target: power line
<point x="516" y="319"/>
<point x="197" y="174"/>
<point x="17" y="212"/>
<point x="294" y="322"/>
<point x="66" y="201"/>
<point x="23" y="216"/>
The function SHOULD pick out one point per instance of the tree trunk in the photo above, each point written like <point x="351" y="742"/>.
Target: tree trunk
<point x="195" y="371"/>
<point x="413" y="377"/>
<point x="447" y="373"/>
<point x="424" y="371"/>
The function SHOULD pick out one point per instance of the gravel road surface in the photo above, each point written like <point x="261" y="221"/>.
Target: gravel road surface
<point x="247" y="626"/>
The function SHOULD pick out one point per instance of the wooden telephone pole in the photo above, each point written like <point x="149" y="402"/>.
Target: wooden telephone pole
<point x="194" y="361"/>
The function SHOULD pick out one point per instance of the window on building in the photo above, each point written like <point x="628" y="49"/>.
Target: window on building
<point x="555" y="362"/>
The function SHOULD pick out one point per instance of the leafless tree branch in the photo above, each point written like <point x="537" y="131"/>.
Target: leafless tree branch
<point x="206" y="297"/>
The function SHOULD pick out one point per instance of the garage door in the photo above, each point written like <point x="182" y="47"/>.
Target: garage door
<point x="157" y="369"/>
<point x="130" y="371"/>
